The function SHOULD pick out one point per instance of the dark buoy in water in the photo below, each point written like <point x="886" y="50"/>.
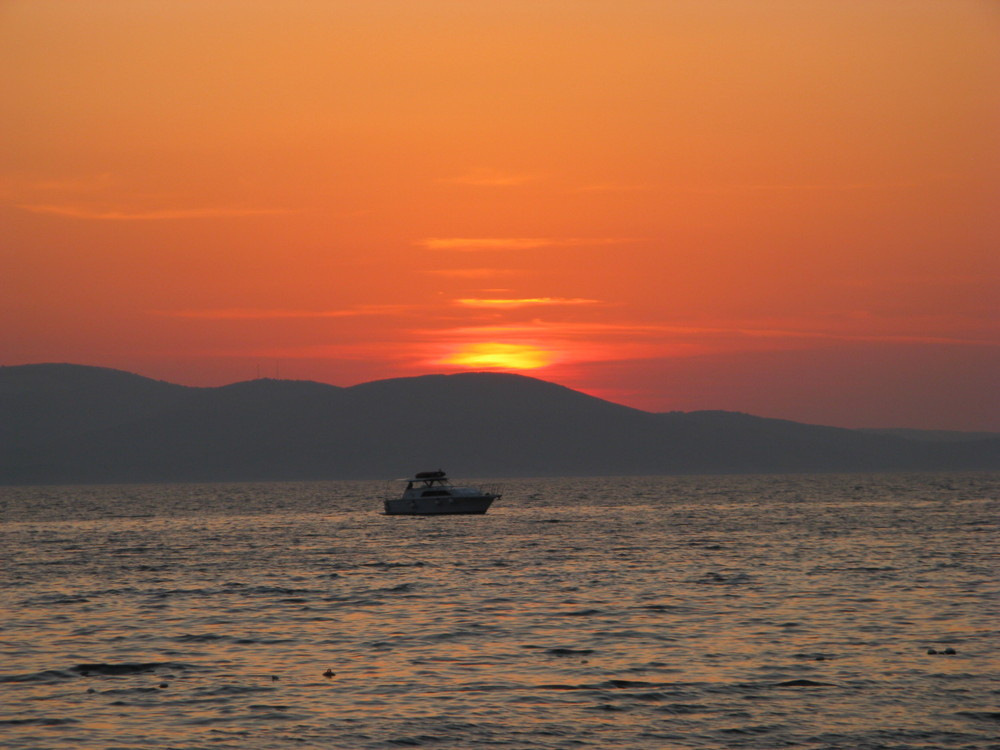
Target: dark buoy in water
<point x="274" y="678"/>
<point x="163" y="685"/>
<point x="931" y="651"/>
<point x="329" y="673"/>
<point x="950" y="651"/>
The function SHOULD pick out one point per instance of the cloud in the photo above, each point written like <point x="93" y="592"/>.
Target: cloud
<point x="612" y="187"/>
<point x="490" y="178"/>
<point x="87" y="197"/>
<point x="243" y="313"/>
<point x="845" y="187"/>
<point x="513" y="243"/>
<point x="726" y="189"/>
<point x="723" y="333"/>
<point x="472" y="273"/>
<point x="10" y="185"/>
<point x="562" y="329"/>
<point x="484" y="243"/>
<point x="78" y="212"/>
<point x="506" y="304"/>
<point x="18" y="188"/>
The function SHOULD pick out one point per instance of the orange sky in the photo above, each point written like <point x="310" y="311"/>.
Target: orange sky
<point x="780" y="207"/>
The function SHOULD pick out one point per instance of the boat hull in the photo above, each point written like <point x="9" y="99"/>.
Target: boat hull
<point x="445" y="506"/>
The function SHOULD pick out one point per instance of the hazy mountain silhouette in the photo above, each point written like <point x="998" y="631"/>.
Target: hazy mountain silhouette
<point x="69" y="423"/>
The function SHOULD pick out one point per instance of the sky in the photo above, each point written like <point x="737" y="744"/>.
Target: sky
<point x="785" y="208"/>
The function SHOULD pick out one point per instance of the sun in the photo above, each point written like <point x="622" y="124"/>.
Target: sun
<point x="493" y="355"/>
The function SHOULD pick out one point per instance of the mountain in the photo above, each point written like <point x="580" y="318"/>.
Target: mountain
<point x="62" y="423"/>
<point x="935" y="436"/>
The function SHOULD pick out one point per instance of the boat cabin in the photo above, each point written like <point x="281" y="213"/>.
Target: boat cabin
<point x="429" y="484"/>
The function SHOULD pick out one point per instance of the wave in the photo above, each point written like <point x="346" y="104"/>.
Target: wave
<point x="85" y="670"/>
<point x="49" y="675"/>
<point x="606" y="685"/>
<point x="96" y="669"/>
<point x="217" y="637"/>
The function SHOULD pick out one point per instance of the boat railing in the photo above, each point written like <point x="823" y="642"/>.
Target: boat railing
<point x="394" y="488"/>
<point x="491" y="489"/>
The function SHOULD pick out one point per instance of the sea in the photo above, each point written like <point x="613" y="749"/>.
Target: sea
<point x="799" y="611"/>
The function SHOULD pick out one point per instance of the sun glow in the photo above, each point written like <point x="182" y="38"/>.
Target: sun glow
<point x="499" y="356"/>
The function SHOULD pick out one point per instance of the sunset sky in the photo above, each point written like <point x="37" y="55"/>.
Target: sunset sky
<point x="780" y="207"/>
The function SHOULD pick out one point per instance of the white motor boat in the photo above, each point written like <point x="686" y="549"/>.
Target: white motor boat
<point x="430" y="493"/>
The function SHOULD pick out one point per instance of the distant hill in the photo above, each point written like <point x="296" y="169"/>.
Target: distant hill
<point x="62" y="423"/>
<point x="935" y="436"/>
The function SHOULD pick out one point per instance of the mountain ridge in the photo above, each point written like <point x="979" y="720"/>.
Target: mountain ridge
<point x="65" y="423"/>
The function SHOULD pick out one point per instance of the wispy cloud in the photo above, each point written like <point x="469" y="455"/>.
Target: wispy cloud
<point x="89" y="198"/>
<point x="793" y="187"/>
<point x="472" y="273"/>
<point x="25" y="188"/>
<point x="514" y="243"/>
<point x="762" y="187"/>
<point x="485" y="243"/>
<point x="560" y="328"/>
<point x="744" y="188"/>
<point x="94" y="214"/>
<point x="244" y="313"/>
<point x="613" y="187"/>
<point x="490" y="178"/>
<point x="723" y="332"/>
<point x="507" y="304"/>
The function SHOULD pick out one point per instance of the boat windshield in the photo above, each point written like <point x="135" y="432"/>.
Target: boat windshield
<point x="428" y="482"/>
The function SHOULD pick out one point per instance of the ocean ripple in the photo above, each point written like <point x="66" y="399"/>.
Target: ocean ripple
<point x="815" y="612"/>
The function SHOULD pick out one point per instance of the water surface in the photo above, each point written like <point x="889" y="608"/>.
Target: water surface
<point x="656" y="612"/>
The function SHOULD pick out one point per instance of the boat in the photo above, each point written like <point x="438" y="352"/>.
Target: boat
<point x="431" y="493"/>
